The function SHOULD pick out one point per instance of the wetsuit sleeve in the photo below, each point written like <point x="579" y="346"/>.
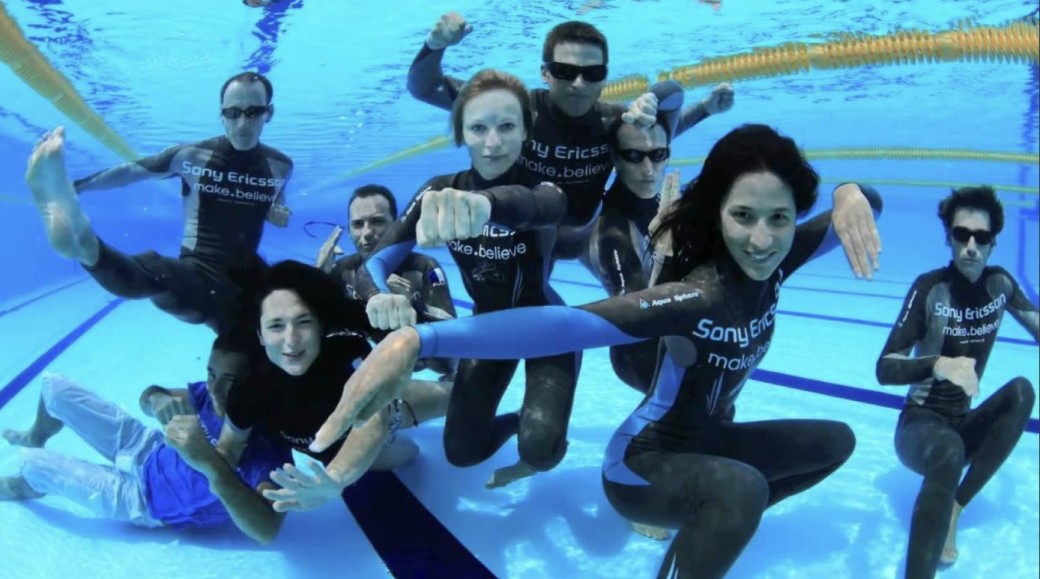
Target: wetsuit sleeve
<point x="393" y="248"/>
<point x="617" y="261"/>
<point x="520" y="208"/>
<point x="895" y="366"/>
<point x="155" y="167"/>
<point x="427" y="81"/>
<point x="1023" y="310"/>
<point x="534" y="332"/>
<point x="816" y="236"/>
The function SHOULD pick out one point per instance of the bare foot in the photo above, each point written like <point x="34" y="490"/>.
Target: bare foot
<point x="14" y="488"/>
<point x="22" y="438"/>
<point x="656" y="533"/>
<point x="949" y="552"/>
<point x="68" y="229"/>
<point x="508" y="475"/>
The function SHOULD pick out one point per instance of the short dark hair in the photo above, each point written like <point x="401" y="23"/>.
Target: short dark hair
<point x="374" y="191"/>
<point x="695" y="220"/>
<point x="982" y="198"/>
<point x="576" y="32"/>
<point x="486" y="81"/>
<point x="249" y="77"/>
<point x="614" y="130"/>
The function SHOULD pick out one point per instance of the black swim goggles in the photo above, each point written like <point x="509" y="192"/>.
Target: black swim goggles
<point x="637" y="156"/>
<point x="569" y="72"/>
<point x="963" y="234"/>
<point x="249" y="112"/>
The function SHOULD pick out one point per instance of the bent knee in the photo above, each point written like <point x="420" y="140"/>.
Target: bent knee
<point x="55" y="392"/>
<point x="542" y="453"/>
<point x="843" y="441"/>
<point x="1025" y="395"/>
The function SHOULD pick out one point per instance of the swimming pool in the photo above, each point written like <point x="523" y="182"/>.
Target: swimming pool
<point x="339" y="74"/>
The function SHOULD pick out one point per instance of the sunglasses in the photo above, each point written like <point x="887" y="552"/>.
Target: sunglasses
<point x="249" y="112"/>
<point x="963" y="234"/>
<point x="569" y="72"/>
<point x="636" y="156"/>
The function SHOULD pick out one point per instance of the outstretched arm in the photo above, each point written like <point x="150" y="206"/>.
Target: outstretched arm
<point x="667" y="310"/>
<point x="155" y="167"/>
<point x="426" y="80"/>
<point x="303" y="492"/>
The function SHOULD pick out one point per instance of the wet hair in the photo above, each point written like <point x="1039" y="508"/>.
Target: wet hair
<point x="483" y="82"/>
<point x="982" y="198"/>
<point x="575" y="32"/>
<point x="614" y="132"/>
<point x="248" y="77"/>
<point x="366" y="191"/>
<point x="321" y="294"/>
<point x="695" y="221"/>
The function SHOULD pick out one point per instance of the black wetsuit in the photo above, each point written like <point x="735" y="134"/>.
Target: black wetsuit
<point x="938" y="433"/>
<point x="431" y="297"/>
<point x="615" y="251"/>
<point x="679" y="460"/>
<point x="293" y="408"/>
<point x="227" y="195"/>
<point x="572" y="152"/>
<point x="504" y="268"/>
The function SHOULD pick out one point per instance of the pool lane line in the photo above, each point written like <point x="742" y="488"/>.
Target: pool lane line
<point x="40" y="297"/>
<point x="875" y="398"/>
<point x="22" y="380"/>
<point x="411" y="541"/>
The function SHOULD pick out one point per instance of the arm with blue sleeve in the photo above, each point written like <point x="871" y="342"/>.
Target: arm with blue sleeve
<point x="158" y="166"/>
<point x="427" y="81"/>
<point x="534" y="332"/>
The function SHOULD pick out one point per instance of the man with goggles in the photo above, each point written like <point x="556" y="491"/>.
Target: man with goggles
<point x="231" y="184"/>
<point x="949" y="323"/>
<point x="568" y="142"/>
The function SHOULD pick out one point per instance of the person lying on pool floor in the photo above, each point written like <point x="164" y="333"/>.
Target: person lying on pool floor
<point x="679" y="460"/>
<point x="155" y="477"/>
<point x="949" y="320"/>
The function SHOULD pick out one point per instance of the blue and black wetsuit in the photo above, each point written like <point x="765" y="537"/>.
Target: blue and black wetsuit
<point x="504" y="268"/>
<point x="614" y="249"/>
<point x="680" y="460"/>
<point x="946" y="315"/>
<point x="431" y="297"/>
<point x="572" y="152"/>
<point x="227" y="195"/>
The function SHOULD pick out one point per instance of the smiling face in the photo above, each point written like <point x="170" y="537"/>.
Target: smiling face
<point x="758" y="223"/>
<point x="493" y="131"/>
<point x="574" y="97"/>
<point x="970" y="256"/>
<point x="289" y="332"/>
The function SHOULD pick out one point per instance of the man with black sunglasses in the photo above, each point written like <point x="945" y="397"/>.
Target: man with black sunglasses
<point x="568" y="142"/>
<point x="949" y="322"/>
<point x="230" y="185"/>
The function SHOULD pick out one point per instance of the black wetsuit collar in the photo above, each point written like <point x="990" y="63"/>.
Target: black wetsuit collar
<point x="638" y="210"/>
<point x="510" y="177"/>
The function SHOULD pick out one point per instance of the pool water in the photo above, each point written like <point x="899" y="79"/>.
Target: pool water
<point x="152" y="72"/>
